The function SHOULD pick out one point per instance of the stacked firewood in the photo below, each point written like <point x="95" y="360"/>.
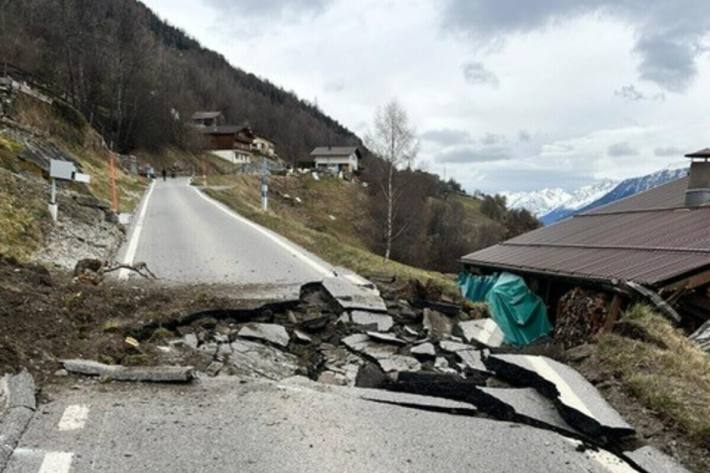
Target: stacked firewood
<point x="581" y="315"/>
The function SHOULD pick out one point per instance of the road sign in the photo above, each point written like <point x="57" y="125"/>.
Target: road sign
<point x="61" y="169"/>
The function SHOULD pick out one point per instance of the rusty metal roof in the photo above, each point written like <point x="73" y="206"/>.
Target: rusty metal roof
<point x="649" y="238"/>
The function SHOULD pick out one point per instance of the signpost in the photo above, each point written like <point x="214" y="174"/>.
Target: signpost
<point x="66" y="171"/>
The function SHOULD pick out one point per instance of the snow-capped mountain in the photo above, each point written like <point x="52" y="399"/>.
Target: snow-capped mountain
<point x="551" y="205"/>
<point x="544" y="201"/>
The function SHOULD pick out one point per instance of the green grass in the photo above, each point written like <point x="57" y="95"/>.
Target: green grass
<point x="663" y="369"/>
<point x="310" y="226"/>
<point x="22" y="220"/>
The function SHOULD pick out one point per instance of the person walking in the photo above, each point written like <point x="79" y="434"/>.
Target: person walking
<point x="164" y="172"/>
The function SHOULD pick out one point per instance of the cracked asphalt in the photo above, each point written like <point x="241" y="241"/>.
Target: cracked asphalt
<point x="222" y="425"/>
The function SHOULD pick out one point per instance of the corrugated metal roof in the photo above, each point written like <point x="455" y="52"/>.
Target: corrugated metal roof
<point x="648" y="238"/>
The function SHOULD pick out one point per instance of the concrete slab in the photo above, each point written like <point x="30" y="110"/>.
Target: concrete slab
<point x="154" y="374"/>
<point x="577" y="400"/>
<point x="256" y="359"/>
<point x="423" y="350"/>
<point x="453" y="347"/>
<point x="352" y="296"/>
<point x="383" y="322"/>
<point x="473" y="359"/>
<point x="386" y="338"/>
<point x="483" y="332"/>
<point x="18" y="390"/>
<point x="272" y="333"/>
<point x="655" y="461"/>
<point x="529" y="403"/>
<point x="399" y="363"/>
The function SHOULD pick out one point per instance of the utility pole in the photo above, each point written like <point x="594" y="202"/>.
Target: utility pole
<point x="264" y="185"/>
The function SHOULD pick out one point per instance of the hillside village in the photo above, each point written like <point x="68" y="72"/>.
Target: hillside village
<point x="239" y="244"/>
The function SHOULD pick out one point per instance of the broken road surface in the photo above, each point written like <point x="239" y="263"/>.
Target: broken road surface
<point x="186" y="237"/>
<point x="220" y="425"/>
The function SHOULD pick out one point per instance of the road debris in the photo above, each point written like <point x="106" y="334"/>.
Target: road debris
<point x="156" y="374"/>
<point x="17" y="406"/>
<point x="271" y="333"/>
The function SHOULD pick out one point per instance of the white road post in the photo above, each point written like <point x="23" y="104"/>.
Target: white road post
<point x="264" y="185"/>
<point x="53" y="210"/>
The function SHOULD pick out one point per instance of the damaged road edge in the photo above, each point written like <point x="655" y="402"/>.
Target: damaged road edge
<point x="18" y="394"/>
<point x="154" y="374"/>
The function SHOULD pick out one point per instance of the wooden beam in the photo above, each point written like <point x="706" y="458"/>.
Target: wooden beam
<point x="613" y="315"/>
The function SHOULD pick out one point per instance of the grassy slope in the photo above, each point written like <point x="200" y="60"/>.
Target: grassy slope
<point x="336" y="240"/>
<point x="666" y="372"/>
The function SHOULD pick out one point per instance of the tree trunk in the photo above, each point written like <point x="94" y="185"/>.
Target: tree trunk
<point x="390" y="203"/>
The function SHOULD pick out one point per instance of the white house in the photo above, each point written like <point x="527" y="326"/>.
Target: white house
<point x="336" y="158"/>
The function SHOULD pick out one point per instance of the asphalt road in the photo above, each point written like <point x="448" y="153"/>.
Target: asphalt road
<point x="221" y="425"/>
<point x="186" y="237"/>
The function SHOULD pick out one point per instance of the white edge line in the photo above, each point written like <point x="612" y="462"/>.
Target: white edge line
<point x="74" y="417"/>
<point x="135" y="235"/>
<point x="279" y="240"/>
<point x="56" y="462"/>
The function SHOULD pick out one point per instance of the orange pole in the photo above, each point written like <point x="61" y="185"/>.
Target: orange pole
<point x="114" y="196"/>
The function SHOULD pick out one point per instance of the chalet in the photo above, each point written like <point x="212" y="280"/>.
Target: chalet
<point x="263" y="147"/>
<point x="207" y="119"/>
<point x="229" y="142"/>
<point x="655" y="244"/>
<point x="336" y="158"/>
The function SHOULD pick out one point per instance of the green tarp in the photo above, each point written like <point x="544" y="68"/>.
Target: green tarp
<point x="520" y="314"/>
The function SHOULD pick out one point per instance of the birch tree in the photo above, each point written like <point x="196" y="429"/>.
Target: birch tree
<point x="394" y="141"/>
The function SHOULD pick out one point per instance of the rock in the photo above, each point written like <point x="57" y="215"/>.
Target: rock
<point x="190" y="340"/>
<point x="209" y="348"/>
<point x="61" y="373"/>
<point x="344" y="318"/>
<point x="473" y="360"/>
<point x="484" y="332"/>
<point x="424" y="350"/>
<point x="221" y="338"/>
<point x="399" y="363"/>
<point x="386" y="338"/>
<point x="208" y="323"/>
<point x="362" y="343"/>
<point x="165" y="374"/>
<point x="257" y="359"/>
<point x="302" y="337"/>
<point x="224" y="349"/>
<point x="291" y="317"/>
<point x="185" y="329"/>
<point x="382" y="321"/>
<point x="352" y="295"/>
<point x="410" y="331"/>
<point x="333" y="378"/>
<point x="370" y="376"/>
<point x="453" y="347"/>
<point x="214" y="368"/>
<point x="437" y="325"/>
<point x="314" y="321"/>
<point x="271" y="333"/>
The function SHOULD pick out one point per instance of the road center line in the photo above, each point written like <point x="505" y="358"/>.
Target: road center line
<point x="56" y="462"/>
<point x="74" y="417"/>
<point x="135" y="235"/>
<point x="271" y="236"/>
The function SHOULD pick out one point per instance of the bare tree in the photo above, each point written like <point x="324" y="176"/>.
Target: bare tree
<point x="392" y="139"/>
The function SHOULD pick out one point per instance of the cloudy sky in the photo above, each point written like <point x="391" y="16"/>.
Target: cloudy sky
<point x="505" y="94"/>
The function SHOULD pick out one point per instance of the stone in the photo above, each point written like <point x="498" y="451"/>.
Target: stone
<point x="436" y="325"/>
<point x="442" y="364"/>
<point x="424" y="350"/>
<point x="250" y="358"/>
<point x="209" y="348"/>
<point x="302" y="337"/>
<point x="370" y="375"/>
<point x="221" y="338"/>
<point x="19" y="390"/>
<point x="453" y="347"/>
<point x="472" y="360"/>
<point x="214" y="368"/>
<point x="484" y="332"/>
<point x="410" y="331"/>
<point x="350" y="294"/>
<point x="362" y="343"/>
<point x="383" y="322"/>
<point x="190" y="340"/>
<point x="332" y="378"/>
<point x="386" y="338"/>
<point x="399" y="363"/>
<point x="272" y="333"/>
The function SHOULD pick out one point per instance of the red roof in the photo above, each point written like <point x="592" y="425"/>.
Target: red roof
<point x="649" y="238"/>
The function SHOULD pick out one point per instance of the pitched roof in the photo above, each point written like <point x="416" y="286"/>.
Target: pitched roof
<point x="333" y="151"/>
<point x="649" y="238"/>
<point x="205" y="115"/>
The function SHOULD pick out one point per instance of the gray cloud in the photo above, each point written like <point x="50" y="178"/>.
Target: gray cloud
<point x="524" y="136"/>
<point x="618" y="150"/>
<point x="632" y="94"/>
<point x="668" y="151"/>
<point x="492" y="138"/>
<point x="474" y="155"/>
<point x="477" y="74"/>
<point x="669" y="32"/>
<point x="270" y="8"/>
<point x="446" y="136"/>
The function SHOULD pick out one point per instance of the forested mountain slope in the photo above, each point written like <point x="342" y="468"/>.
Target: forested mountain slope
<point x="131" y="74"/>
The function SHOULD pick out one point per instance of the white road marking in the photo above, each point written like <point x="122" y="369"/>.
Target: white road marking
<point x="135" y="236"/>
<point x="271" y="236"/>
<point x="56" y="462"/>
<point x="567" y="394"/>
<point x="74" y="417"/>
